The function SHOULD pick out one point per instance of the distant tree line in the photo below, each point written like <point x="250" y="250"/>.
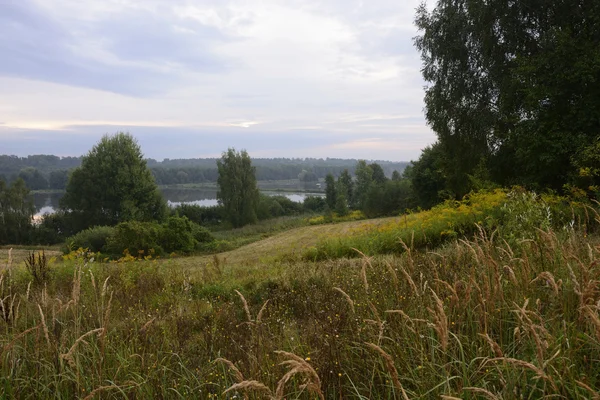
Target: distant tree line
<point x="43" y="172"/>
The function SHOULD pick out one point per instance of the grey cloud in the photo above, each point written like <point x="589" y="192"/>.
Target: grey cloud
<point x="36" y="47"/>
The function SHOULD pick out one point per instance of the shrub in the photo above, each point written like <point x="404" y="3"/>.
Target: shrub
<point x="94" y="239"/>
<point x="193" y="212"/>
<point x="136" y="237"/>
<point x="201" y="234"/>
<point x="177" y="235"/>
<point x="314" y="203"/>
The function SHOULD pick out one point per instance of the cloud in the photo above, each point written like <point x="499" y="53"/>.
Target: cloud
<point x="279" y="77"/>
<point x="134" y="54"/>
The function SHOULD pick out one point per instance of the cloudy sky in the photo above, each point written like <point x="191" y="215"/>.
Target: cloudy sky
<point x="190" y="78"/>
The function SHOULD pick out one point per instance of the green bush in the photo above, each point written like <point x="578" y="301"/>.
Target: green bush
<point x="193" y="212"/>
<point x="201" y="234"/>
<point x="177" y="235"/>
<point x="95" y="239"/>
<point x="135" y="237"/>
<point x="314" y="203"/>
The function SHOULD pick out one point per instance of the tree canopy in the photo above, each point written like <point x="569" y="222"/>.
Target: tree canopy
<point x="513" y="83"/>
<point x="113" y="185"/>
<point x="238" y="191"/>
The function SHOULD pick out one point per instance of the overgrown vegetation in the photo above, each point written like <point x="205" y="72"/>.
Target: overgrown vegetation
<point x="495" y="314"/>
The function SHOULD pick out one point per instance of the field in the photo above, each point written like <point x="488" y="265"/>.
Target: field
<point x="482" y="314"/>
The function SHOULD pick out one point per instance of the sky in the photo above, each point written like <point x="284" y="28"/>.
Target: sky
<point x="191" y="78"/>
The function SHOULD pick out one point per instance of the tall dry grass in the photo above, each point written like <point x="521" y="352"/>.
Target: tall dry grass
<point x="480" y="317"/>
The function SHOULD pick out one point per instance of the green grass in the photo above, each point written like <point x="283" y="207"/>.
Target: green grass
<point x="515" y="318"/>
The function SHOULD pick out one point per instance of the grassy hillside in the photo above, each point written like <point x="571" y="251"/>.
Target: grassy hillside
<point x="499" y="311"/>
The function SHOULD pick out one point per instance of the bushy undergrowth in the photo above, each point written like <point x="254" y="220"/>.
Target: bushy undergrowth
<point x="176" y="234"/>
<point x="515" y="214"/>
<point x="475" y="319"/>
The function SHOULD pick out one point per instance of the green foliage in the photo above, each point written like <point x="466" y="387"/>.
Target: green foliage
<point x="314" y="203"/>
<point x="341" y="205"/>
<point x="135" y="237"/>
<point x="364" y="179"/>
<point x="113" y="185"/>
<point x="94" y="239"/>
<point x="33" y="179"/>
<point x="201" y="234"/>
<point x="16" y="213"/>
<point x="330" y="191"/>
<point x="177" y="235"/>
<point x="345" y="181"/>
<point x="428" y="178"/>
<point x="587" y="163"/>
<point x="193" y="212"/>
<point x="238" y="192"/>
<point x="516" y="214"/>
<point x="513" y="83"/>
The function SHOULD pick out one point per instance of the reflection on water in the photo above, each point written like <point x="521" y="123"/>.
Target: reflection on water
<point x="47" y="203"/>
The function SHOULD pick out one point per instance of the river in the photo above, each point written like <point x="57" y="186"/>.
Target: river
<point x="47" y="203"/>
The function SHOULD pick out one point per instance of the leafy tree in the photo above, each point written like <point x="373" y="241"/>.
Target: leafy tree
<point x="113" y="185"/>
<point x="238" y="192"/>
<point x="16" y="212"/>
<point x="428" y="178"/>
<point x="377" y="175"/>
<point x="33" y="178"/>
<point x="341" y="205"/>
<point x="364" y="179"/>
<point x="58" y="179"/>
<point x="511" y="82"/>
<point x="346" y="180"/>
<point x="396" y="176"/>
<point x="330" y="191"/>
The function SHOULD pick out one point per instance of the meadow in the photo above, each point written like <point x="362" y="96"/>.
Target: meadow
<point x="494" y="297"/>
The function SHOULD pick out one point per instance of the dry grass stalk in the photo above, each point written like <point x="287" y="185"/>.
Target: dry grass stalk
<point x="9" y="346"/>
<point x="236" y="372"/>
<point x="547" y="278"/>
<point x="411" y="261"/>
<point x="523" y="315"/>
<point x="44" y="326"/>
<point x="445" y="397"/>
<point x="511" y="275"/>
<point x="392" y="272"/>
<point x="298" y="365"/>
<point x="493" y="345"/>
<point x="261" y="312"/>
<point x="246" y="386"/>
<point x="245" y="303"/>
<point x="448" y="286"/>
<point x="146" y="325"/>
<point x="107" y="388"/>
<point x="105" y="287"/>
<point x="69" y="355"/>
<point x="440" y="321"/>
<point x="347" y="297"/>
<point x="595" y="395"/>
<point x="106" y="317"/>
<point x="483" y="392"/>
<point x="75" y="294"/>
<point x="389" y="363"/>
<point x="524" y="364"/>
<point x="363" y="270"/>
<point x="407" y="317"/>
<point x="592" y="315"/>
<point x="410" y="281"/>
